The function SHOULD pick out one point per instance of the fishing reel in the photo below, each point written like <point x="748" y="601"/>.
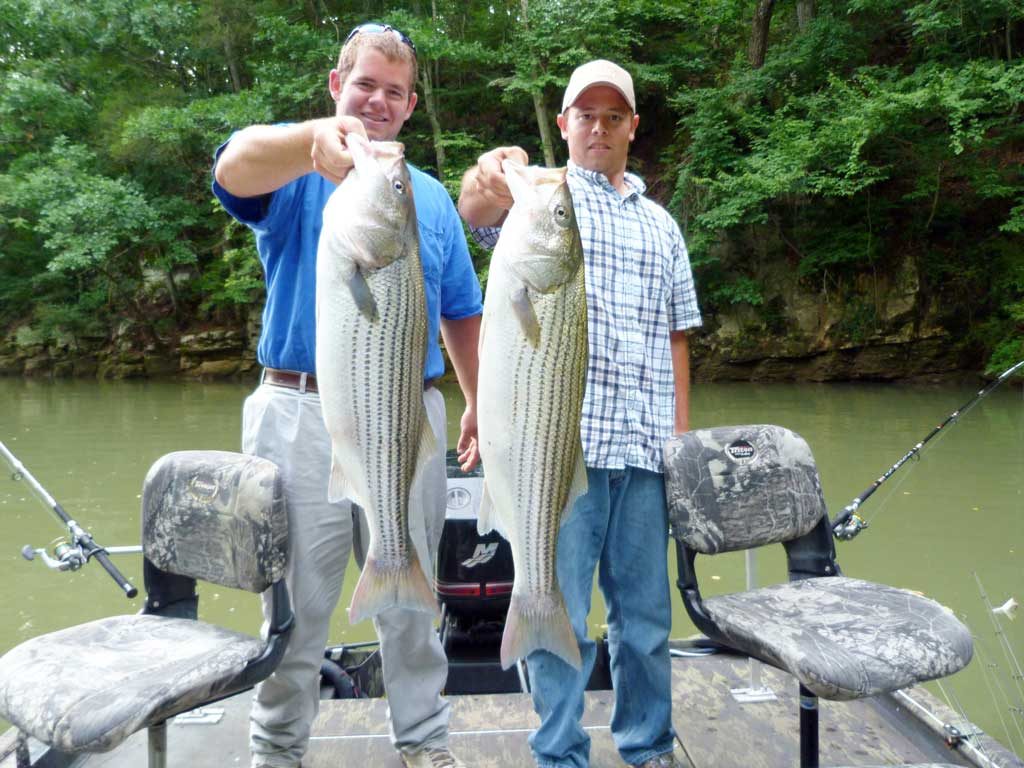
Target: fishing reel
<point x="848" y="524"/>
<point x="66" y="556"/>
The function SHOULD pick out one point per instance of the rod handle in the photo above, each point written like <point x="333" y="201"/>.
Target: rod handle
<point x="130" y="589"/>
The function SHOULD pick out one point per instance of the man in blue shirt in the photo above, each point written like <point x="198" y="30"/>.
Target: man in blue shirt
<point x="640" y="304"/>
<point x="276" y="179"/>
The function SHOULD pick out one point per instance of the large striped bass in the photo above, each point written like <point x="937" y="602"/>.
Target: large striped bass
<point x="371" y="341"/>
<point x="533" y="362"/>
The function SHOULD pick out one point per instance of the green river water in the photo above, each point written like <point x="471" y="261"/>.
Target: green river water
<point x="938" y="523"/>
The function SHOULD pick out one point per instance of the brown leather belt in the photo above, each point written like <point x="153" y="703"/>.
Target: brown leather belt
<point x="304" y="382"/>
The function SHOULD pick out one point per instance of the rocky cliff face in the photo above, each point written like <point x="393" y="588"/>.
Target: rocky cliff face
<point x="207" y="353"/>
<point x="881" y="327"/>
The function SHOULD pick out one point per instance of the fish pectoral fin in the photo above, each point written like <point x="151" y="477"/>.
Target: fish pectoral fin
<point x="362" y="295"/>
<point x="522" y="307"/>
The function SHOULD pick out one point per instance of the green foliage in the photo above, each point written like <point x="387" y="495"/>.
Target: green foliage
<point x="235" y="279"/>
<point x="291" y="70"/>
<point x="847" y="158"/>
<point x="883" y="135"/>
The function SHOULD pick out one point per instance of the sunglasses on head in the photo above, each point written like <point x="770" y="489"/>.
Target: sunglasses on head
<point x="381" y="29"/>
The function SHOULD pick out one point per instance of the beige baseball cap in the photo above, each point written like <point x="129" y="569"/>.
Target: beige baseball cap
<point x="599" y="72"/>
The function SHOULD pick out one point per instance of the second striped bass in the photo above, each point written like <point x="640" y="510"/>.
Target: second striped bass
<point x="533" y="363"/>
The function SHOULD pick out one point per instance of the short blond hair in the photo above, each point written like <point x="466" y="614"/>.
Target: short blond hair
<point x="389" y="45"/>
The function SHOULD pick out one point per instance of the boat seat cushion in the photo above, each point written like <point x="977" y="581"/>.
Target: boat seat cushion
<point x="844" y="638"/>
<point x="732" y="488"/>
<point x="139" y="670"/>
<point x="216" y="516"/>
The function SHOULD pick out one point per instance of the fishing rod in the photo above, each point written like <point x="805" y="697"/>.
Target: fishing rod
<point x="70" y="557"/>
<point x="848" y="523"/>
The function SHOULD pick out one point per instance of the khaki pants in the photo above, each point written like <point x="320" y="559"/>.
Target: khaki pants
<point x="287" y="428"/>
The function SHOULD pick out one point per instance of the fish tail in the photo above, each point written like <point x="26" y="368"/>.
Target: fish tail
<point x="538" y="624"/>
<point x="380" y="589"/>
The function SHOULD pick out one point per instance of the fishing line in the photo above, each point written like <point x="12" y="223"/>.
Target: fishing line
<point x="965" y="721"/>
<point x="989" y="670"/>
<point x="1011" y="658"/>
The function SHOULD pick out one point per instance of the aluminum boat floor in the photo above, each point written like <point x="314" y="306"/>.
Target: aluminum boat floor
<point x="490" y="731"/>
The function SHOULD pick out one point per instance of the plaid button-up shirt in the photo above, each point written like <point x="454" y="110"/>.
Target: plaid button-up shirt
<point x="639" y="287"/>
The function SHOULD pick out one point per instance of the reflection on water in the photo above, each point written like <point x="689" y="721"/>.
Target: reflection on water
<point x="936" y="523"/>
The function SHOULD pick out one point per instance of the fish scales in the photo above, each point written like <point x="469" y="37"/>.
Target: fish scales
<point x="541" y="408"/>
<point x="388" y="481"/>
<point x="548" y="418"/>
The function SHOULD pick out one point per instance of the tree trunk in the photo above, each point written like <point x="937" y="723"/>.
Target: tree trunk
<point x="759" y="33"/>
<point x="430" y="74"/>
<point x="232" y="60"/>
<point x="430" y="106"/>
<point x="540" y="109"/>
<point x="805" y="13"/>
<point x="543" y="123"/>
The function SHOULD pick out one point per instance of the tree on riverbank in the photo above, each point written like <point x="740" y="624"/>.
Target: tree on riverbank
<point x="868" y="152"/>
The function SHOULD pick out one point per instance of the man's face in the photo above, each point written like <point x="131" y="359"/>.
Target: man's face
<point x="598" y="128"/>
<point x="377" y="91"/>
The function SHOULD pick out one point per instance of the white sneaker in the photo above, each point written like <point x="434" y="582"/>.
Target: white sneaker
<point x="432" y="757"/>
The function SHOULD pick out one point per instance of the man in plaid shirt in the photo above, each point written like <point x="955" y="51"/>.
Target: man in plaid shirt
<point x="640" y="304"/>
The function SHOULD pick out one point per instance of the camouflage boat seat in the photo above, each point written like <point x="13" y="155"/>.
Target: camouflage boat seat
<point x="736" y="488"/>
<point x="208" y="515"/>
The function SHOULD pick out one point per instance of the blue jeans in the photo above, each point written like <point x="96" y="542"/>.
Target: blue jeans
<point x="621" y="523"/>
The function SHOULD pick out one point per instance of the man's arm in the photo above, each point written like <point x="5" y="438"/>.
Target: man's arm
<point x="462" y="340"/>
<point x="484" y="198"/>
<point x="680" y="346"/>
<point x="261" y="159"/>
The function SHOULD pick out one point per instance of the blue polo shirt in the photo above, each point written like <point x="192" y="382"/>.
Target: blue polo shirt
<point x="287" y="226"/>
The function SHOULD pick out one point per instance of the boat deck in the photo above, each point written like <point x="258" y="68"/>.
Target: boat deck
<point x="490" y="731"/>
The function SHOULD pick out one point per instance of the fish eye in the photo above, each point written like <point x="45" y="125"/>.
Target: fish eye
<point x="399" y="186"/>
<point x="561" y="214"/>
